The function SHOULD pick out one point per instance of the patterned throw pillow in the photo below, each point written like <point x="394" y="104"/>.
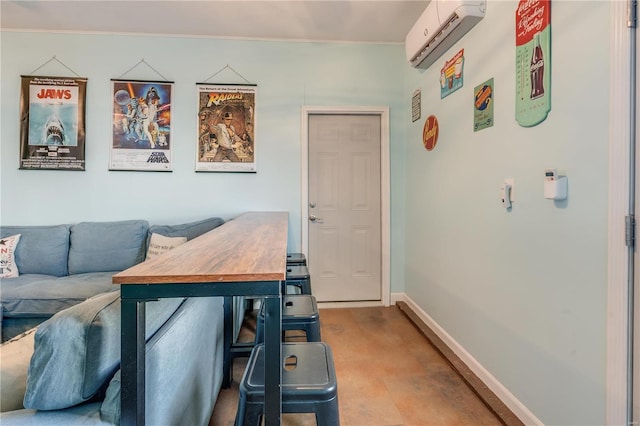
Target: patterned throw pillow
<point x="8" y="267"/>
<point x="15" y="354"/>
<point x="160" y="244"/>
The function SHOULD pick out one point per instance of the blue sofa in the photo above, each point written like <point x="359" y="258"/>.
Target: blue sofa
<point x="62" y="265"/>
<point x="65" y="288"/>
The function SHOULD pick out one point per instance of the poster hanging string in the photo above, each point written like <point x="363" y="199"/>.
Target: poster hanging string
<point x="142" y="61"/>
<point x="224" y="68"/>
<point x="58" y="61"/>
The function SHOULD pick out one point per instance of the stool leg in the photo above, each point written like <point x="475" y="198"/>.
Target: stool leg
<point x="313" y="332"/>
<point x="253" y="415"/>
<point x="259" y="331"/>
<point x="327" y="413"/>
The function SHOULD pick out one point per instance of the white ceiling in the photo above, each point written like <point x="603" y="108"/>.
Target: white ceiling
<point x="327" y="20"/>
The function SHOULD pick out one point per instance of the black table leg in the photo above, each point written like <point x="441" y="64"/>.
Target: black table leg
<point x="132" y="396"/>
<point x="227" y="362"/>
<point x="272" y="361"/>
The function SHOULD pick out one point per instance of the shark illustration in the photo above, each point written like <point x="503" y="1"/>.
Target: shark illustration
<point x="54" y="132"/>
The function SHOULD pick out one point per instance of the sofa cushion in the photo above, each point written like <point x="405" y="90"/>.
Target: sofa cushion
<point x="190" y="230"/>
<point x="78" y="415"/>
<point x="160" y="244"/>
<point x="107" y="246"/>
<point x="42" y="249"/>
<point x="23" y="279"/>
<point x="193" y="385"/>
<point x="8" y="267"/>
<point x="44" y="298"/>
<point x="14" y="357"/>
<point x="78" y="350"/>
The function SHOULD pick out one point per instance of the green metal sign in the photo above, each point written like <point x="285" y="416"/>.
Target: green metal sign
<point x="533" y="61"/>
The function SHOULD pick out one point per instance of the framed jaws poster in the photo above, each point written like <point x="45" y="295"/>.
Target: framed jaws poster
<point x="533" y="61"/>
<point x="226" y="128"/>
<point x="52" y="123"/>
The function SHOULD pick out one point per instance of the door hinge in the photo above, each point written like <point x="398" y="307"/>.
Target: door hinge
<point x="632" y="13"/>
<point x="630" y="230"/>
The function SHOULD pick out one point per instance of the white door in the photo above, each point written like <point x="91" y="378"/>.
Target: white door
<point x="344" y="198"/>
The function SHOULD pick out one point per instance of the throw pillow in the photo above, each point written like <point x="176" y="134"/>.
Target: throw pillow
<point x="14" y="360"/>
<point x="42" y="249"/>
<point x="8" y="267"/>
<point x="160" y="244"/>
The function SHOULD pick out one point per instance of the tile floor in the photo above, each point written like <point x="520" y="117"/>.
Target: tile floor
<point x="388" y="374"/>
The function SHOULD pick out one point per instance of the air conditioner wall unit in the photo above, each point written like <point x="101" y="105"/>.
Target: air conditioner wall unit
<point x="441" y="24"/>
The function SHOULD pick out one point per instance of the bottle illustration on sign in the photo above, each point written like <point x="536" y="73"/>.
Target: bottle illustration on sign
<point x="537" y="69"/>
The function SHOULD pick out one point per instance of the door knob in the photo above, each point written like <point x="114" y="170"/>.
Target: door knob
<point x="314" y="218"/>
<point x="312" y="204"/>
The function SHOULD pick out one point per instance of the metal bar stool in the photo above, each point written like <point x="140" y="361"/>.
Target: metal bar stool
<point x="296" y="259"/>
<point x="298" y="277"/>
<point x="309" y="384"/>
<point x="299" y="312"/>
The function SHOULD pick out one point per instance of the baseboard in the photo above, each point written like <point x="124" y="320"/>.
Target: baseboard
<point x="393" y="299"/>
<point x="497" y="397"/>
<point x="364" y="304"/>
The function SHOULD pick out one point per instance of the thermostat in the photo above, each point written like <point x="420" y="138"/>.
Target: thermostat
<point x="550" y="174"/>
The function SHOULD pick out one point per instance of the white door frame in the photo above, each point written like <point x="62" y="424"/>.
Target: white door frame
<point x="385" y="203"/>
<point x="619" y="159"/>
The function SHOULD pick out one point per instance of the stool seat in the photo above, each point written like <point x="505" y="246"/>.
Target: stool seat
<point x="296" y="259"/>
<point x="299" y="312"/>
<point x="298" y="276"/>
<point x="309" y="384"/>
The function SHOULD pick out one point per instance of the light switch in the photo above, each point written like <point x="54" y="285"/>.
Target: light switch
<point x="512" y="182"/>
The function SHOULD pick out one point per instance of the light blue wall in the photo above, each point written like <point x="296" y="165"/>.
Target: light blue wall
<point x="524" y="292"/>
<point x="289" y="75"/>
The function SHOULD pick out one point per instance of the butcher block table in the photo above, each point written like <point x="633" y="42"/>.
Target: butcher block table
<point x="246" y="256"/>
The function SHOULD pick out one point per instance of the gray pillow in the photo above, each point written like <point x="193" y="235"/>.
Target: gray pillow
<point x="190" y="230"/>
<point x="107" y="246"/>
<point x="77" y="351"/>
<point x="41" y="249"/>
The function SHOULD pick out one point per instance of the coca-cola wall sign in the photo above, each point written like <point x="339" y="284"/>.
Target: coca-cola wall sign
<point x="533" y="61"/>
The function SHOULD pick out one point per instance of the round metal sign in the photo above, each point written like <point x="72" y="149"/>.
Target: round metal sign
<point x="430" y="132"/>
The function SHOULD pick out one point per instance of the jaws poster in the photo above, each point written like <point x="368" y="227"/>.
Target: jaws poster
<point x="52" y="123"/>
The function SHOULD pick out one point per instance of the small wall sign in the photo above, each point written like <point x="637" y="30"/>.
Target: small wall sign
<point x="415" y="106"/>
<point x="430" y="133"/>
<point x="483" y="106"/>
<point x="451" y="75"/>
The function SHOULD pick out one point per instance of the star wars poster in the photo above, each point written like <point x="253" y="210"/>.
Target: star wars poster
<point x="52" y="123"/>
<point x="226" y="128"/>
<point x="142" y="138"/>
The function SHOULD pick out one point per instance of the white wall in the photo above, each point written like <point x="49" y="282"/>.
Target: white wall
<point x="523" y="292"/>
<point x="289" y="75"/>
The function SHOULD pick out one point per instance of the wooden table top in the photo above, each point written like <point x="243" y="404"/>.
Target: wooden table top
<point x="251" y="247"/>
